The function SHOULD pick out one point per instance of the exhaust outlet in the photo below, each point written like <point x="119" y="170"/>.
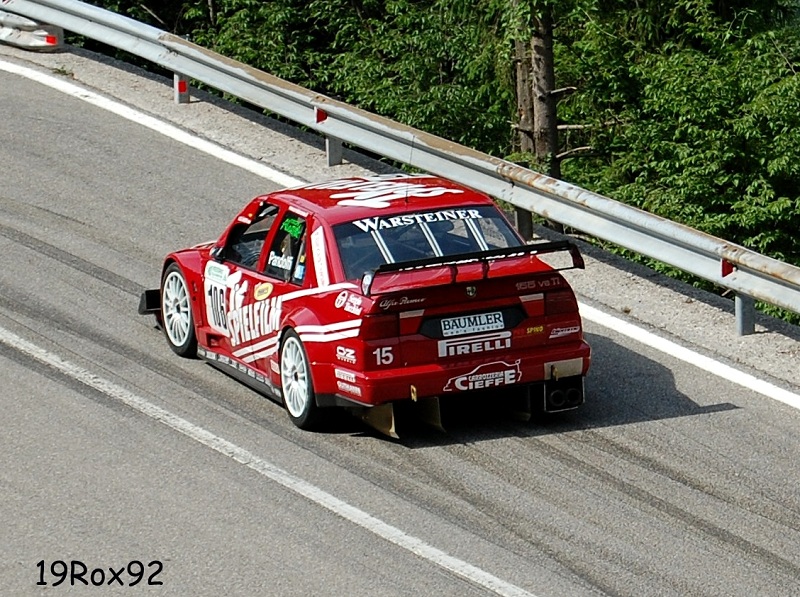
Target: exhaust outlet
<point x="557" y="399"/>
<point x="574" y="397"/>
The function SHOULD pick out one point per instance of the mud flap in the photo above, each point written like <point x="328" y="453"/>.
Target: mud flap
<point x="521" y="408"/>
<point x="429" y="412"/>
<point x="150" y="302"/>
<point x="381" y="418"/>
<point x="528" y="403"/>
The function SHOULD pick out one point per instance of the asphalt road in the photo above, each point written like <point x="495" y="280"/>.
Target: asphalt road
<point x="670" y="481"/>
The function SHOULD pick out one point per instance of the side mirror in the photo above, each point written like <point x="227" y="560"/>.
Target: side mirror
<point x="216" y="253"/>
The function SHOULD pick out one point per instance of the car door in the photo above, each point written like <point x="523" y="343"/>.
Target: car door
<point x="258" y="279"/>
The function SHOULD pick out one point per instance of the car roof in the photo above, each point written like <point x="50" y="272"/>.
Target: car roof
<point x="348" y="199"/>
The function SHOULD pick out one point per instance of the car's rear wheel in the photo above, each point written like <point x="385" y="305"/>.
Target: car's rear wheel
<point x="297" y="389"/>
<point x="176" y="312"/>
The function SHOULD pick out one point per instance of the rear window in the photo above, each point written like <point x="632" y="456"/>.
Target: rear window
<point x="370" y="242"/>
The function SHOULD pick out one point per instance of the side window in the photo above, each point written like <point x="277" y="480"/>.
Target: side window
<point x="286" y="259"/>
<point x="246" y="241"/>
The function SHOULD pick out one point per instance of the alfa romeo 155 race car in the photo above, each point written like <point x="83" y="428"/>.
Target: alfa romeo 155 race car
<point x="363" y="292"/>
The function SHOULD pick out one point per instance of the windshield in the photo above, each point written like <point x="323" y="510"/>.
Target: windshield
<point x="370" y="242"/>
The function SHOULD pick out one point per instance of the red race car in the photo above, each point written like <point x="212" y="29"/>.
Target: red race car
<point x="364" y="292"/>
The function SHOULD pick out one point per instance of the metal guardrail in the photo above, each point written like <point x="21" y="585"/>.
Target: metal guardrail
<point x="749" y="274"/>
<point x="25" y="33"/>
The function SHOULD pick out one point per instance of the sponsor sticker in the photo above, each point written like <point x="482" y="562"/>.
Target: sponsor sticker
<point x="401" y="302"/>
<point x="340" y="299"/>
<point x="216" y="285"/>
<point x="250" y="322"/>
<point x="293" y="227"/>
<point x="475" y="344"/>
<point x="227" y="312"/>
<point x="349" y="302"/>
<point x="561" y="332"/>
<point x="472" y="324"/>
<point x="216" y="272"/>
<point x="489" y="375"/>
<point x="262" y="291"/>
<point x="349" y="388"/>
<point x="379" y="223"/>
<point x="379" y="191"/>
<point x="353" y="304"/>
<point x="320" y="257"/>
<point x="344" y="375"/>
<point x="235" y="365"/>
<point x="346" y="355"/>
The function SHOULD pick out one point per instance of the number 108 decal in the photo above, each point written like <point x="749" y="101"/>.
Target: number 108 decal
<point x="216" y="307"/>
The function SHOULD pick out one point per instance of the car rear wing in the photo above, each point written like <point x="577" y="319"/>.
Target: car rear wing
<point x="483" y="257"/>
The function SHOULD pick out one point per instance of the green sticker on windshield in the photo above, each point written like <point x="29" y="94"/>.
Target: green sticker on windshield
<point x="293" y="227"/>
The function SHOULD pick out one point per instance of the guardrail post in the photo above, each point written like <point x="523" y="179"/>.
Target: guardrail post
<point x="333" y="149"/>
<point x="181" y="87"/>
<point x="745" y="308"/>
<point x="524" y="220"/>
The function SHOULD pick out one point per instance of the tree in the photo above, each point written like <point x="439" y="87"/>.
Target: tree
<point x="685" y="109"/>
<point x="705" y="128"/>
<point x="536" y="94"/>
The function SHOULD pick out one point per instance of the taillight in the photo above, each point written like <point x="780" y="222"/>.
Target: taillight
<point x="378" y="327"/>
<point x="560" y="301"/>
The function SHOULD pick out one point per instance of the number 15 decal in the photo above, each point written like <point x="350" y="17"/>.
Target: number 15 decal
<point x="384" y="355"/>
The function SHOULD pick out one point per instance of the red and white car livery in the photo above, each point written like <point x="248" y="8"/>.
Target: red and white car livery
<point x="367" y="291"/>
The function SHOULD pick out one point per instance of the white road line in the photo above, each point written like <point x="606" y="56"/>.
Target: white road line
<point x="690" y="356"/>
<point x="311" y="492"/>
<point x="159" y="126"/>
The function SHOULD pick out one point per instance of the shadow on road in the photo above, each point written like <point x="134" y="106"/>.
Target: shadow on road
<point x="623" y="388"/>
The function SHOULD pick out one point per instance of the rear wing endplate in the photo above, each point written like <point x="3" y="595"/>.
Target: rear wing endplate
<point x="483" y="257"/>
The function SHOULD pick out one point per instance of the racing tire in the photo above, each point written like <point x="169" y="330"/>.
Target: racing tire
<point x="176" y="312"/>
<point x="297" y="389"/>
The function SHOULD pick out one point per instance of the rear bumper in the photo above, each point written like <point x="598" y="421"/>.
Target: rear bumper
<point x="496" y="374"/>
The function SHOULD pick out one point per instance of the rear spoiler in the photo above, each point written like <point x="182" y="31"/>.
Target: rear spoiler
<point x="483" y="257"/>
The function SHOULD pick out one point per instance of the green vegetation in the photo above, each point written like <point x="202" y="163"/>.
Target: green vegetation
<point x="690" y="109"/>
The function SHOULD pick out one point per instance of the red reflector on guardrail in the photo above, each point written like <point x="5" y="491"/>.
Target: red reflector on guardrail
<point x="727" y="268"/>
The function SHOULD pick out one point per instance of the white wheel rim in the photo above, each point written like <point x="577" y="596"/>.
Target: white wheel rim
<point x="294" y="377"/>
<point x="176" y="308"/>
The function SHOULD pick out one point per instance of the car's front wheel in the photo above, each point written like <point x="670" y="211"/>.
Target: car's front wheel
<point x="297" y="389"/>
<point x="176" y="312"/>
